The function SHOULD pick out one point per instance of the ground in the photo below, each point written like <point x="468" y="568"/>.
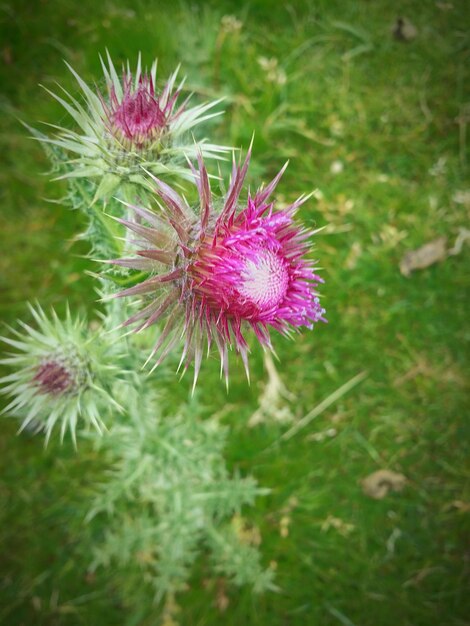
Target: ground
<point x="372" y="114"/>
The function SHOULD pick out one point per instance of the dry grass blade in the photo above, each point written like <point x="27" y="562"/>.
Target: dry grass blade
<point x="327" y="402"/>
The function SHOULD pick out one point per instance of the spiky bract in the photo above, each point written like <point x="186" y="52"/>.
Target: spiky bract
<point x="61" y="375"/>
<point x="130" y="125"/>
<point x="244" y="266"/>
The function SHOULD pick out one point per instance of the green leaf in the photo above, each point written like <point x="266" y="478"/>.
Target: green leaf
<point x="109" y="183"/>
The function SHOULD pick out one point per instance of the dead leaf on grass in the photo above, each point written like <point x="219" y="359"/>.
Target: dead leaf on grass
<point x="353" y="256"/>
<point x="404" y="30"/>
<point x="444" y="371"/>
<point x="462" y="238"/>
<point x="462" y="196"/>
<point x="221" y="598"/>
<point x="7" y="55"/>
<point x="273" y="402"/>
<point x="322" y="435"/>
<point x="445" y="6"/>
<point x="379" y="483"/>
<point x="284" y="526"/>
<point x="344" y="528"/>
<point x="286" y="518"/>
<point x="462" y="507"/>
<point x="423" y="257"/>
<point x="170" y="610"/>
<point x="247" y="534"/>
<point x="392" y="540"/>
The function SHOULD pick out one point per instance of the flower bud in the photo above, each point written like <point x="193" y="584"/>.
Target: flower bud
<point x="61" y="376"/>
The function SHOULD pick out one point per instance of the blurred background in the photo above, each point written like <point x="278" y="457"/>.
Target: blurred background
<point x="370" y="102"/>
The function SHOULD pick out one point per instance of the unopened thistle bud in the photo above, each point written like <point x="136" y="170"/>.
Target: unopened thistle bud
<point x="129" y="125"/>
<point x="60" y="377"/>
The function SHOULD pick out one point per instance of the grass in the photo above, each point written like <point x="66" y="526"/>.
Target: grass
<point x="384" y="110"/>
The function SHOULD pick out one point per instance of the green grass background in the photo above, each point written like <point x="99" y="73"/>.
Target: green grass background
<point x="389" y="111"/>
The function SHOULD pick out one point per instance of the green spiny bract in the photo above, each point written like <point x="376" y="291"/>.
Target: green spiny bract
<point x="130" y="127"/>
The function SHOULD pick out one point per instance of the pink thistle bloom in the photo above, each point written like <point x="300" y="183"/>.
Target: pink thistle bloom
<point x="243" y="267"/>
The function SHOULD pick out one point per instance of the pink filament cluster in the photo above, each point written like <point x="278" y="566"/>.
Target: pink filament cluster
<point x="141" y="116"/>
<point x="252" y="269"/>
<point x="52" y="377"/>
<point x="227" y="272"/>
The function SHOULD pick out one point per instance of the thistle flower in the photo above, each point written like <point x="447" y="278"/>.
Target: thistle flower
<point x="130" y="125"/>
<point x="60" y="377"/>
<point x="244" y="266"/>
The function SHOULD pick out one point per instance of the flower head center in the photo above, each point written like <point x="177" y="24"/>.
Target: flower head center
<point x="52" y="377"/>
<point x="265" y="279"/>
<point x="139" y="115"/>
